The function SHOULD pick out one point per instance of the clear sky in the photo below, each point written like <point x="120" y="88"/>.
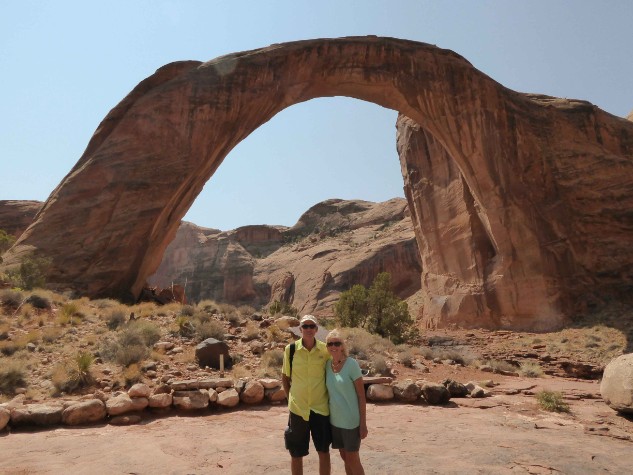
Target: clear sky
<point x="65" y="64"/>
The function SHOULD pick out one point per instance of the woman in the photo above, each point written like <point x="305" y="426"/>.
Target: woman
<point x="344" y="382"/>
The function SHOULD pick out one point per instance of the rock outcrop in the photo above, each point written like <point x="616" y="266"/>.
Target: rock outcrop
<point x="549" y="180"/>
<point x="17" y="215"/>
<point x="334" y="245"/>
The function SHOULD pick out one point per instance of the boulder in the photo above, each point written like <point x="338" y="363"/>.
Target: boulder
<point x="617" y="384"/>
<point x="455" y="389"/>
<point x="379" y="392"/>
<point x="139" y="390"/>
<point x="406" y="391"/>
<point x="123" y="403"/>
<point x="275" y="394"/>
<point x="160" y="400"/>
<point x="253" y="392"/>
<point x="5" y="417"/>
<point x="435" y="393"/>
<point x="270" y="383"/>
<point x="36" y="415"/>
<point x="191" y="400"/>
<point x="208" y="354"/>
<point x="84" y="412"/>
<point x="228" y="398"/>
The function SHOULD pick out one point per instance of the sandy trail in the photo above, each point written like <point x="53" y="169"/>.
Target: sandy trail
<point x="493" y="436"/>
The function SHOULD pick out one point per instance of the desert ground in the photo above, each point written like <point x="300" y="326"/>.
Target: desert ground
<point x="502" y="434"/>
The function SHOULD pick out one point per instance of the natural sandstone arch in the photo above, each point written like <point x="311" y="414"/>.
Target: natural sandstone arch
<point x="545" y="177"/>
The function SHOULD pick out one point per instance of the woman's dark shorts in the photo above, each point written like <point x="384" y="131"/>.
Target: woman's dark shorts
<point x="297" y="434"/>
<point x="346" y="439"/>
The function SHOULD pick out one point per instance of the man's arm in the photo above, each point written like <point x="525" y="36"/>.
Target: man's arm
<point x="285" y="382"/>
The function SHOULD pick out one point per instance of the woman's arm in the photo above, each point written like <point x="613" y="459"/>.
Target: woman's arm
<point x="362" y="406"/>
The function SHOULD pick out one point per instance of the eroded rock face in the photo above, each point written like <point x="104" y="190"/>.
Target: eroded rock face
<point x="334" y="245"/>
<point x="17" y="215"/>
<point x="551" y="180"/>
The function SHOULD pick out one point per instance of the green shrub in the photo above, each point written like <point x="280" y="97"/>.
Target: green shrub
<point x="31" y="273"/>
<point x="378" y="310"/>
<point x="12" y="376"/>
<point x="74" y="374"/>
<point x="379" y="365"/>
<point x="185" y="326"/>
<point x="127" y="355"/>
<point x="552" y="401"/>
<point x="140" y="332"/>
<point x="187" y="310"/>
<point x="6" y="241"/>
<point x="283" y="308"/>
<point x="131" y="344"/>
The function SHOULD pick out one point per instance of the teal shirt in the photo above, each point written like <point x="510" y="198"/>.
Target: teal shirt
<point x="344" y="411"/>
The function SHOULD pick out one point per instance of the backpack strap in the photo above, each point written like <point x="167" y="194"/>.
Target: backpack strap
<point x="293" y="347"/>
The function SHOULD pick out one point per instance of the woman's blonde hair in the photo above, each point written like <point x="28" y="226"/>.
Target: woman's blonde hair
<point x="337" y="334"/>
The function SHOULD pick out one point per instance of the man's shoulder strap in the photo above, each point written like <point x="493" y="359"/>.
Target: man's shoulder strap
<point x="293" y="347"/>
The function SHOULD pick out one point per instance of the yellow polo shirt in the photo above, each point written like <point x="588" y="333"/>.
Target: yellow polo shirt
<point x="307" y="390"/>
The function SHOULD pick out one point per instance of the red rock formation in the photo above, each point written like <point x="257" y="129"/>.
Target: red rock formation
<point x="335" y="244"/>
<point x="17" y="215"/>
<point x="551" y="179"/>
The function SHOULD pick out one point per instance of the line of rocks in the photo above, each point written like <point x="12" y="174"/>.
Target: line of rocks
<point x="125" y="407"/>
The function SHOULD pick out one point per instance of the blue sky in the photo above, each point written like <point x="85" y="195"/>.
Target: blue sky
<point x="65" y="64"/>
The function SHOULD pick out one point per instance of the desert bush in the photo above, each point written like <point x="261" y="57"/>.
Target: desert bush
<point x="131" y="344"/>
<point x="378" y="310"/>
<point x="9" y="347"/>
<point x="49" y="335"/>
<point x="210" y="329"/>
<point x="105" y="303"/>
<point x="283" y="308"/>
<point x="552" y="401"/>
<point x="530" y="370"/>
<point x="11" y="298"/>
<point x="40" y="300"/>
<point x="405" y="355"/>
<point x="6" y="241"/>
<point x="12" y="376"/>
<point x="31" y="273"/>
<point x="498" y="366"/>
<point x="132" y="375"/>
<point x="115" y="317"/>
<point x="70" y="313"/>
<point x="74" y="374"/>
<point x="185" y="327"/>
<point x="234" y="318"/>
<point x="252" y="331"/>
<point x="187" y="310"/>
<point x="442" y="340"/>
<point x="239" y="371"/>
<point x="459" y="355"/>
<point x="379" y="365"/>
<point x="274" y="333"/>
<point x="245" y="310"/>
<point x="208" y="306"/>
<point x="362" y="344"/>
<point x="271" y="364"/>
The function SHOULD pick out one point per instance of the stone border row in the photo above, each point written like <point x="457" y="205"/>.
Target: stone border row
<point x="123" y="408"/>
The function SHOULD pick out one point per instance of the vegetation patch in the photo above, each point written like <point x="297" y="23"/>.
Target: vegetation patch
<point x="552" y="401"/>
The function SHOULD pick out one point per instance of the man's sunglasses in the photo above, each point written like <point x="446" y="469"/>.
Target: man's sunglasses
<point x="334" y="343"/>
<point x="308" y="325"/>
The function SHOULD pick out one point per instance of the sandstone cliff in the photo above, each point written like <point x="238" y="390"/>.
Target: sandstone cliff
<point x="334" y="245"/>
<point x="17" y="215"/>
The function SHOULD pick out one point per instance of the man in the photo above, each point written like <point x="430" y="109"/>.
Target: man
<point x="303" y="379"/>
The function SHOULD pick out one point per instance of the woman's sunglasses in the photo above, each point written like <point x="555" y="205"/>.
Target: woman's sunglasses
<point x="308" y="326"/>
<point x="334" y="343"/>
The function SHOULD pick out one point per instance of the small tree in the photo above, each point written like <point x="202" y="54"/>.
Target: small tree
<point x="31" y="273"/>
<point x="352" y="307"/>
<point x="378" y="309"/>
<point x="6" y="241"/>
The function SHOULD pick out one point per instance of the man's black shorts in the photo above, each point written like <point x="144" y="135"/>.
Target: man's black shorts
<point x="297" y="434"/>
